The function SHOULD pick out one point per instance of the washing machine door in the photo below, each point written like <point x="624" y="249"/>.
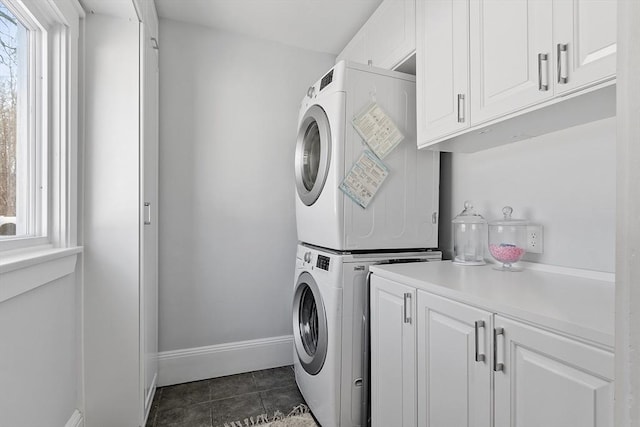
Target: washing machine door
<point x="309" y="324"/>
<point x="313" y="154"/>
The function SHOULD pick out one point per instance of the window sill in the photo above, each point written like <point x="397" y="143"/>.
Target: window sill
<point x="22" y="271"/>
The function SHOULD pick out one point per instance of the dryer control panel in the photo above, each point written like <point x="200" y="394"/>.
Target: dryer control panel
<point x="328" y="78"/>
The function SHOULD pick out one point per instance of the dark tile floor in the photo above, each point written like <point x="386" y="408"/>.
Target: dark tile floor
<point x="216" y="401"/>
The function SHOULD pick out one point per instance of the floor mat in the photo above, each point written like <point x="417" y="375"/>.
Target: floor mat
<point x="298" y="417"/>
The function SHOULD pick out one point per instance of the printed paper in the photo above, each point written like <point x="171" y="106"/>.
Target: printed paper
<point x="364" y="179"/>
<point x="377" y="129"/>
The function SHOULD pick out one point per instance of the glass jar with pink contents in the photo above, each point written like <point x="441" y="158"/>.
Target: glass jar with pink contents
<point x="507" y="240"/>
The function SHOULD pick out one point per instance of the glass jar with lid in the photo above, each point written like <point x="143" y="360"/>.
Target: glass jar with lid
<point x="469" y="237"/>
<point x="507" y="240"/>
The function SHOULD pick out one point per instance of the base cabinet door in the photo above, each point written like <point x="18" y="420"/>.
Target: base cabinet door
<point x="393" y="354"/>
<point x="544" y="379"/>
<point x="454" y="374"/>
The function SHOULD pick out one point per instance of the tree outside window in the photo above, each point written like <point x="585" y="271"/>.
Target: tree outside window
<point x="9" y="27"/>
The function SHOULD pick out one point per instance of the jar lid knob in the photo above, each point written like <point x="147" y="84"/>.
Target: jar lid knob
<point x="467" y="205"/>
<point x="507" y="211"/>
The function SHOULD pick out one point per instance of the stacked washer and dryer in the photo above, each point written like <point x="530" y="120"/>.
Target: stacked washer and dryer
<point x="339" y="240"/>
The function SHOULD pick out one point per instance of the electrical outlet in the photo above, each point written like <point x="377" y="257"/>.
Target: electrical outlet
<point x="534" y="238"/>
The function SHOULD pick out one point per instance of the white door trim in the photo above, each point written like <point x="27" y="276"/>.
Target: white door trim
<point x="627" y="389"/>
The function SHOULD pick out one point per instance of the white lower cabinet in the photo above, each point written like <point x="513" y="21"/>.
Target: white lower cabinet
<point x="550" y="380"/>
<point x="393" y="355"/>
<point x="454" y="375"/>
<point x="476" y="368"/>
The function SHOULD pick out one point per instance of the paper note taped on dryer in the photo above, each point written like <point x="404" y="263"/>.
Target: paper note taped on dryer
<point x="364" y="179"/>
<point x="377" y="129"/>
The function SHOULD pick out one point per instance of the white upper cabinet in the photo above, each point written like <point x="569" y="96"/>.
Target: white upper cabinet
<point x="442" y="67"/>
<point x="491" y="72"/>
<point x="584" y="42"/>
<point x="510" y="56"/>
<point x="387" y="38"/>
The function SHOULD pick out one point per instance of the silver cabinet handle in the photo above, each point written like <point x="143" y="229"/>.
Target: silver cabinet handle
<point x="480" y="356"/>
<point x="407" y="302"/>
<point x="461" y="117"/>
<point x="154" y="43"/>
<point x="543" y="84"/>
<point x="498" y="350"/>
<point x="563" y="51"/>
<point x="147" y="213"/>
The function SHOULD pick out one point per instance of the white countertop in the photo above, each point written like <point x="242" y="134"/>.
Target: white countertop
<point x="582" y="307"/>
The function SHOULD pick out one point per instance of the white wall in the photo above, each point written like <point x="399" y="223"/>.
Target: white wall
<point x="228" y="123"/>
<point x="39" y="362"/>
<point x="565" y="181"/>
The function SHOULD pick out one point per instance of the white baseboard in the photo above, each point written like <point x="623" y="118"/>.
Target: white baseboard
<point x="192" y="364"/>
<point x="76" y="420"/>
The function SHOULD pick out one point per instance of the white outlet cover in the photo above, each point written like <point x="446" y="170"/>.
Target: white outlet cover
<point x="535" y="239"/>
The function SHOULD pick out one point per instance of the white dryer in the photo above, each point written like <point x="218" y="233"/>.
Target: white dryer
<point x="328" y="329"/>
<point x="403" y="213"/>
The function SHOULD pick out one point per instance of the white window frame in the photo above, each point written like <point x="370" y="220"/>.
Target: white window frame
<point x="52" y="176"/>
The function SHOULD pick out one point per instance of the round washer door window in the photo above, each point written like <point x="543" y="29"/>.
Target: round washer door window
<point x="313" y="154"/>
<point x="309" y="324"/>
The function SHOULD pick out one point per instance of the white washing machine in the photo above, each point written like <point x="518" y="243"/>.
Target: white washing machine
<point x="328" y="329"/>
<point x="403" y="213"/>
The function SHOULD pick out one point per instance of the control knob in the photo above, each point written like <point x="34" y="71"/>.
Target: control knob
<point x="311" y="91"/>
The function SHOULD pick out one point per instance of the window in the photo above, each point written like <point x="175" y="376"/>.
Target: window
<point x="38" y="124"/>
<point x="13" y="76"/>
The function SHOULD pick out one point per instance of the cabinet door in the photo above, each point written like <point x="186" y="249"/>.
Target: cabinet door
<point x="356" y="49"/>
<point x="509" y="69"/>
<point x="454" y="374"/>
<point x="149" y="229"/>
<point x="387" y="38"/>
<point x="549" y="380"/>
<point x="442" y="68"/>
<point x="393" y="356"/>
<point x="391" y="33"/>
<point x="585" y="42"/>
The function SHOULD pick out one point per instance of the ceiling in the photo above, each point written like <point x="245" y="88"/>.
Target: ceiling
<point x="317" y="25"/>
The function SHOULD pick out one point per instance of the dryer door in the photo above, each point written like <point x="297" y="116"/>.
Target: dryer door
<point x="313" y="154"/>
<point x="309" y="324"/>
